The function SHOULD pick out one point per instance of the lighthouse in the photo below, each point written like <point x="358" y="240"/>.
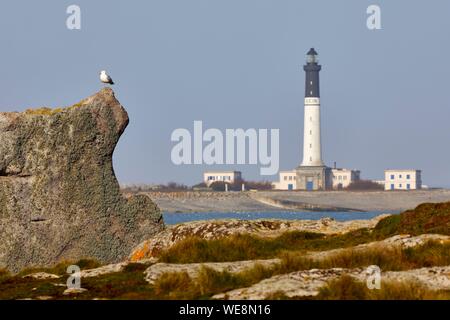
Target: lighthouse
<point x="312" y="148"/>
<point x="312" y="174"/>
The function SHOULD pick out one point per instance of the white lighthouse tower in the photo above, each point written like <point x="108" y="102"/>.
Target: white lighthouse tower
<point x="312" y="174"/>
<point x="312" y="148"/>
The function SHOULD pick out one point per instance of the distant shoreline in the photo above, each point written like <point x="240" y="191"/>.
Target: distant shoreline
<point x="295" y="201"/>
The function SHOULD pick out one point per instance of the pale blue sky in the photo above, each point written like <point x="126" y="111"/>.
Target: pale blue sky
<point x="237" y="63"/>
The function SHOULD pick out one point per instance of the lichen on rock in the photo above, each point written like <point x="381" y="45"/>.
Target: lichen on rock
<point x="59" y="197"/>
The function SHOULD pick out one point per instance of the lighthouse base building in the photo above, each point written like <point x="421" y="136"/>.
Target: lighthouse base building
<point x="314" y="178"/>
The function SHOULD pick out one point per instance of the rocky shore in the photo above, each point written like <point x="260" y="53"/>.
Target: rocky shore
<point x="217" y="229"/>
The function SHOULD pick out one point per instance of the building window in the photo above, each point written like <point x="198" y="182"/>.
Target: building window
<point x="310" y="145"/>
<point x="290" y="178"/>
<point x="285" y="178"/>
<point x="345" y="177"/>
<point x="310" y="132"/>
<point x="408" y="186"/>
<point x="392" y="187"/>
<point x="392" y="177"/>
<point x="408" y="176"/>
<point x="400" y="176"/>
<point x="400" y="185"/>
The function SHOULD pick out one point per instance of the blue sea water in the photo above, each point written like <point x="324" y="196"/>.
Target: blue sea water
<point x="175" y="218"/>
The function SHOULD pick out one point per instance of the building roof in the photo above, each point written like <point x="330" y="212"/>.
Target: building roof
<point x="222" y="172"/>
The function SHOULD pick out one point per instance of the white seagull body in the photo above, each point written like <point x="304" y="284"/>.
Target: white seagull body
<point x="105" y="78"/>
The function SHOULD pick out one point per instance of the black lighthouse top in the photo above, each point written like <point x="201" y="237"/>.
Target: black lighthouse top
<point x="312" y="69"/>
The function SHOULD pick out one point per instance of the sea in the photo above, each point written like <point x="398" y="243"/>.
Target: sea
<point x="176" y="218"/>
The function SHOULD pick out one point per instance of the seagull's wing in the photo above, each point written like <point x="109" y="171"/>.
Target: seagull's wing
<point x="110" y="80"/>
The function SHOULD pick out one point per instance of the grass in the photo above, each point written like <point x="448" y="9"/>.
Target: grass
<point x="61" y="268"/>
<point x="426" y="218"/>
<point x="348" y="288"/>
<point x="130" y="283"/>
<point x="388" y="259"/>
<point x="248" y="247"/>
<point x="210" y="282"/>
<point x="178" y="285"/>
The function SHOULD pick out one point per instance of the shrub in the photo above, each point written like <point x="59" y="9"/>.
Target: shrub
<point x="426" y="218"/>
<point x="364" y="185"/>
<point x="175" y="285"/>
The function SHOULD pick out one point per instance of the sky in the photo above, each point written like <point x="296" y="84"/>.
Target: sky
<point x="238" y="64"/>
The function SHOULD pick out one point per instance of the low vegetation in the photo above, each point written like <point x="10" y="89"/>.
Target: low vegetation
<point x="234" y="248"/>
<point x="348" y="288"/>
<point x="237" y="185"/>
<point x="130" y="283"/>
<point x="248" y="247"/>
<point x="210" y="282"/>
<point x="426" y="218"/>
<point x="364" y="185"/>
<point x="218" y="186"/>
<point x="290" y="248"/>
<point x="388" y="259"/>
<point x="44" y="111"/>
<point x="61" y="268"/>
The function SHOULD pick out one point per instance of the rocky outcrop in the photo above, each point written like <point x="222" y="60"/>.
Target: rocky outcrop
<point x="395" y="242"/>
<point x="216" y="229"/>
<point x="308" y="283"/>
<point x="59" y="197"/>
<point x="154" y="271"/>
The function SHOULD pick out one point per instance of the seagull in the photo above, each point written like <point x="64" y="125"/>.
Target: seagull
<point x="105" y="78"/>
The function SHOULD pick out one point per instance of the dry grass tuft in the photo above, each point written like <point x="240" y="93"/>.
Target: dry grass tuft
<point x="348" y="288"/>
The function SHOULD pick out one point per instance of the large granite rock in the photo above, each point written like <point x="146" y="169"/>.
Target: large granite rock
<point x="59" y="197"/>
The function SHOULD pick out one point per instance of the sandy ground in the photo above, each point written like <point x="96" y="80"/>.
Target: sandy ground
<point x="389" y="201"/>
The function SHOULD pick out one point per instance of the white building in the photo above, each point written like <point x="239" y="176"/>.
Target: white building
<point x="288" y="181"/>
<point x="342" y="178"/>
<point x="224" y="176"/>
<point x="403" y="179"/>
